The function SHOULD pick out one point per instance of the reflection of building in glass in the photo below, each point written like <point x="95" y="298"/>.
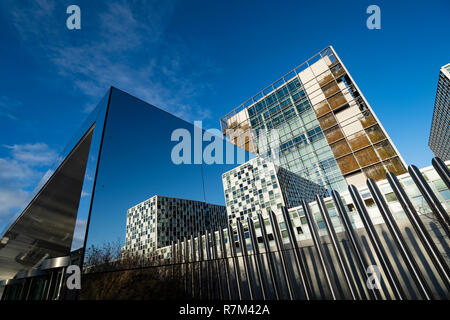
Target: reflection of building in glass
<point x="328" y="132"/>
<point x="440" y="128"/>
<point x="258" y="185"/>
<point x="160" y="220"/>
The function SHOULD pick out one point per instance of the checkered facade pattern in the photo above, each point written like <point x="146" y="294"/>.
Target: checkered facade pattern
<point x="258" y="185"/>
<point x="160" y="220"/>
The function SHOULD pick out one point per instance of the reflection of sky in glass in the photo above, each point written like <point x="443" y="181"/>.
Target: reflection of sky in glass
<point x="136" y="164"/>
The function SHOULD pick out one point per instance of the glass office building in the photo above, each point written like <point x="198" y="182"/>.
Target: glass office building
<point x="440" y="127"/>
<point x="328" y="133"/>
<point x="160" y="220"/>
<point x="122" y="154"/>
<point x="327" y="216"/>
<point x="258" y="185"/>
<point x="119" y="156"/>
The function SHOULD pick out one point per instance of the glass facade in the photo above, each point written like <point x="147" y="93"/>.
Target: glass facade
<point x="159" y="220"/>
<point x="328" y="133"/>
<point x="440" y="133"/>
<point x="303" y="235"/>
<point x="259" y="185"/>
<point x="122" y="156"/>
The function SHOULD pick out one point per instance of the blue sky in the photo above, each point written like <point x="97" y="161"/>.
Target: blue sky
<point x="199" y="60"/>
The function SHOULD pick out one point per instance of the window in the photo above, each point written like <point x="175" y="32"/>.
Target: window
<point x="327" y="121"/>
<point x="347" y="164"/>
<point x="340" y="148"/>
<point x="390" y="197"/>
<point x="333" y="134"/>
<point x="366" y="156"/>
<point x="376" y="172"/>
<point x="395" y="166"/>
<point x="375" y="134"/>
<point x="358" y="140"/>
<point x="315" y="134"/>
<point x="384" y="150"/>
<point x="321" y="108"/>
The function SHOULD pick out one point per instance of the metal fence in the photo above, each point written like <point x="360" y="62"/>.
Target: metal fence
<point x="410" y="258"/>
<point x="263" y="257"/>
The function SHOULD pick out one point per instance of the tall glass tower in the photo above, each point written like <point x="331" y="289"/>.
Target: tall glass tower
<point x="327" y="131"/>
<point x="440" y="127"/>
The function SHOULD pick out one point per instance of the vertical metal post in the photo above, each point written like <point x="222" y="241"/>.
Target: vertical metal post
<point x="192" y="247"/>
<point x="376" y="242"/>
<point x="217" y="264"/>
<point x="47" y="295"/>
<point x="61" y="283"/>
<point x="237" y="272"/>
<point x="320" y="251"/>
<point x="442" y="170"/>
<point x="226" y="262"/>
<point x="257" y="255"/>
<point x="355" y="245"/>
<point x="179" y="260"/>
<point x="186" y="263"/>
<point x="280" y="248"/>
<point x="30" y="284"/>
<point x="335" y="243"/>
<point x="200" y="264"/>
<point x="300" y="260"/>
<point x="244" y="252"/>
<point x="208" y="266"/>
<point x="424" y="236"/>
<point x="174" y="259"/>
<point x="437" y="208"/>
<point x="272" y="269"/>
<point x="411" y="264"/>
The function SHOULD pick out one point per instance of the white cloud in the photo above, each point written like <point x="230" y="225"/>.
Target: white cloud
<point x="78" y="235"/>
<point x="14" y="172"/>
<point x="20" y="171"/>
<point x="126" y="47"/>
<point x="10" y="199"/>
<point x="37" y="154"/>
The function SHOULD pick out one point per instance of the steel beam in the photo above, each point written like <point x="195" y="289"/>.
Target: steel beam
<point x="226" y="262"/>
<point x="244" y="252"/>
<point x="362" y="263"/>
<point x="257" y="256"/>
<point x="407" y="256"/>
<point x="424" y="236"/>
<point x="429" y="196"/>
<point x="272" y="270"/>
<point x="442" y="170"/>
<point x="300" y="260"/>
<point x="280" y="247"/>
<point x="376" y="243"/>
<point x="337" y="248"/>
<point x="237" y="272"/>
<point x="318" y="245"/>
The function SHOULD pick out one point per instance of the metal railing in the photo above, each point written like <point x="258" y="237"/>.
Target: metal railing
<point x="336" y="266"/>
<point x="264" y="258"/>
